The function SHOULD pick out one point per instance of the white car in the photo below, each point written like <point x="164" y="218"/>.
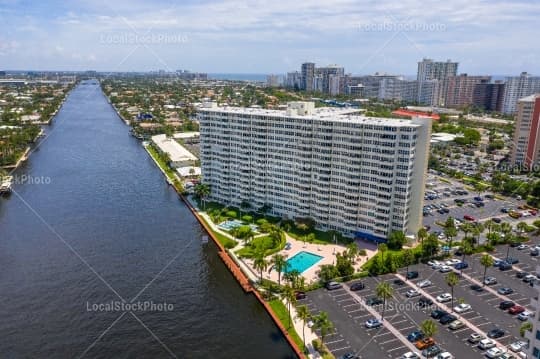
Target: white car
<point x="445" y="269"/>
<point x="462" y="308"/>
<point x="412" y="293"/>
<point x="410" y="355"/>
<point x="486" y="344"/>
<point x="434" y="264"/>
<point x="445" y="355"/>
<point x="494" y="353"/>
<point x="522" y="246"/>
<point x="456" y="324"/>
<point x="518" y="346"/>
<point x="445" y="297"/>
<point x="424" y="283"/>
<point x="523" y="316"/>
<point x="452" y="261"/>
<point x="490" y="281"/>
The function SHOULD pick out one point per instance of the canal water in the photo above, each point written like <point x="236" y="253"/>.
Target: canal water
<point x="92" y="222"/>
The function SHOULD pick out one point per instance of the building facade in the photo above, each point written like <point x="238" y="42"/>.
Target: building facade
<point x="489" y="96"/>
<point x="533" y="336"/>
<point x="429" y="70"/>
<point x="460" y="89"/>
<point x="519" y="87"/>
<point x="526" y="146"/>
<point x="363" y="177"/>
<point x="308" y="72"/>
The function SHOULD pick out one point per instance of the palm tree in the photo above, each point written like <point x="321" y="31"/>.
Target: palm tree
<point x="293" y="277"/>
<point x="323" y="324"/>
<point x="384" y="290"/>
<point x="202" y="190"/>
<point x="352" y="251"/>
<point x="506" y="230"/>
<point x="452" y="280"/>
<point x="302" y="313"/>
<point x="408" y="259"/>
<point x="422" y="234"/>
<point x="289" y="296"/>
<point x="428" y="327"/>
<point x="280" y="264"/>
<point x="382" y="248"/>
<point x="525" y="327"/>
<point x="260" y="263"/>
<point x="486" y="261"/>
<point x="467" y="249"/>
<point x="450" y="233"/>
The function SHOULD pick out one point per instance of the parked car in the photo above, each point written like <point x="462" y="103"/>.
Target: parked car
<point x="412" y="293"/>
<point x="357" y="286"/>
<point x="518" y="346"/>
<point x="485" y="344"/>
<point x="529" y="278"/>
<point x="496" y="220"/>
<point x="424" y="283"/>
<point x="415" y="336"/>
<point x="412" y="275"/>
<point x="438" y="313"/>
<point x="495" y="333"/>
<point x="373" y="323"/>
<point x="535" y="252"/>
<point x="445" y="269"/>
<point x="521" y="274"/>
<point x="398" y="282"/>
<point x="448" y="318"/>
<point x="424" y="343"/>
<point x="469" y="218"/>
<point x="444" y="297"/>
<point x="349" y="356"/>
<point x="333" y="285"/>
<point x="461" y="265"/>
<point x="494" y="353"/>
<point x="300" y="295"/>
<point x="374" y="301"/>
<point x="476" y="287"/>
<point x="505" y="266"/>
<point x="522" y="247"/>
<point x="490" y="281"/>
<point x="424" y="302"/>
<point x="431" y="351"/>
<point x="410" y="355"/>
<point x="523" y="316"/>
<point x="506" y="304"/>
<point x="516" y="309"/>
<point x="456" y="324"/>
<point x="462" y="308"/>
<point x="511" y="260"/>
<point x="505" y="290"/>
<point x="475" y="338"/>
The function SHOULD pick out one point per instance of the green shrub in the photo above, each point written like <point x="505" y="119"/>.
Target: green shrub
<point x="261" y="222"/>
<point x="247" y="218"/>
<point x="231" y="214"/>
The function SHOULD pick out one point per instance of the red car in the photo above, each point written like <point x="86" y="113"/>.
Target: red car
<point x="516" y="309"/>
<point x="469" y="218"/>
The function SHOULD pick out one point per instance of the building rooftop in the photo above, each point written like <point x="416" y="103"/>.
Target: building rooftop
<point x="530" y="98"/>
<point x="176" y="152"/>
<point x="351" y="115"/>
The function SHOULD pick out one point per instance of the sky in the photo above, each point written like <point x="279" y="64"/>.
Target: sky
<point x="270" y="36"/>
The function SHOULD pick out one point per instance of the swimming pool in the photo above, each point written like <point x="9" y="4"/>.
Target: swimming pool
<point x="301" y="261"/>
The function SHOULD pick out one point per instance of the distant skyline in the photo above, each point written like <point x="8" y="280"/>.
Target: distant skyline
<point x="485" y="37"/>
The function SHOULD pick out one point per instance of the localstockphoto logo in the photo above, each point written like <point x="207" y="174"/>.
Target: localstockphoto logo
<point x="142" y="39"/>
<point x="119" y="306"/>
<point x="403" y="27"/>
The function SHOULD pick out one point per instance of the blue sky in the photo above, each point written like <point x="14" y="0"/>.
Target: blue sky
<point x="364" y="36"/>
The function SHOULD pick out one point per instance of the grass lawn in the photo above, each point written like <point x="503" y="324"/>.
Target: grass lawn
<point x="261" y="242"/>
<point x="283" y="315"/>
<point x="320" y="236"/>
<point x="224" y="240"/>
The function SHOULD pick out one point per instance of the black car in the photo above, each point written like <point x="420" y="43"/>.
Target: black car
<point x="399" y="282"/>
<point x="505" y="266"/>
<point x="438" y="313"/>
<point x="514" y="244"/>
<point x="477" y="288"/>
<point x="424" y="302"/>
<point x="511" y="260"/>
<point x="507" y="304"/>
<point x="535" y="252"/>
<point x="349" y="356"/>
<point x="357" y="286"/>
<point x="521" y="274"/>
<point x="496" y="220"/>
<point x="479" y="204"/>
<point x="412" y="275"/>
<point x="446" y="319"/>
<point x="495" y="333"/>
<point x="300" y="295"/>
<point x="374" y="301"/>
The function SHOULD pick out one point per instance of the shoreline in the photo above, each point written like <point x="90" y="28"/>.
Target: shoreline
<point x="235" y="269"/>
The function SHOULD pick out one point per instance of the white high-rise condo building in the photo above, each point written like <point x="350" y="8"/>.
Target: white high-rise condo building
<point x="518" y="87"/>
<point x="429" y="70"/>
<point x="361" y="176"/>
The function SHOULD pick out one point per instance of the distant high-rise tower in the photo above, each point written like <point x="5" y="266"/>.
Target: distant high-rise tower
<point x="428" y="72"/>
<point x="308" y="72"/>
<point x="525" y="152"/>
<point x="518" y="87"/>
